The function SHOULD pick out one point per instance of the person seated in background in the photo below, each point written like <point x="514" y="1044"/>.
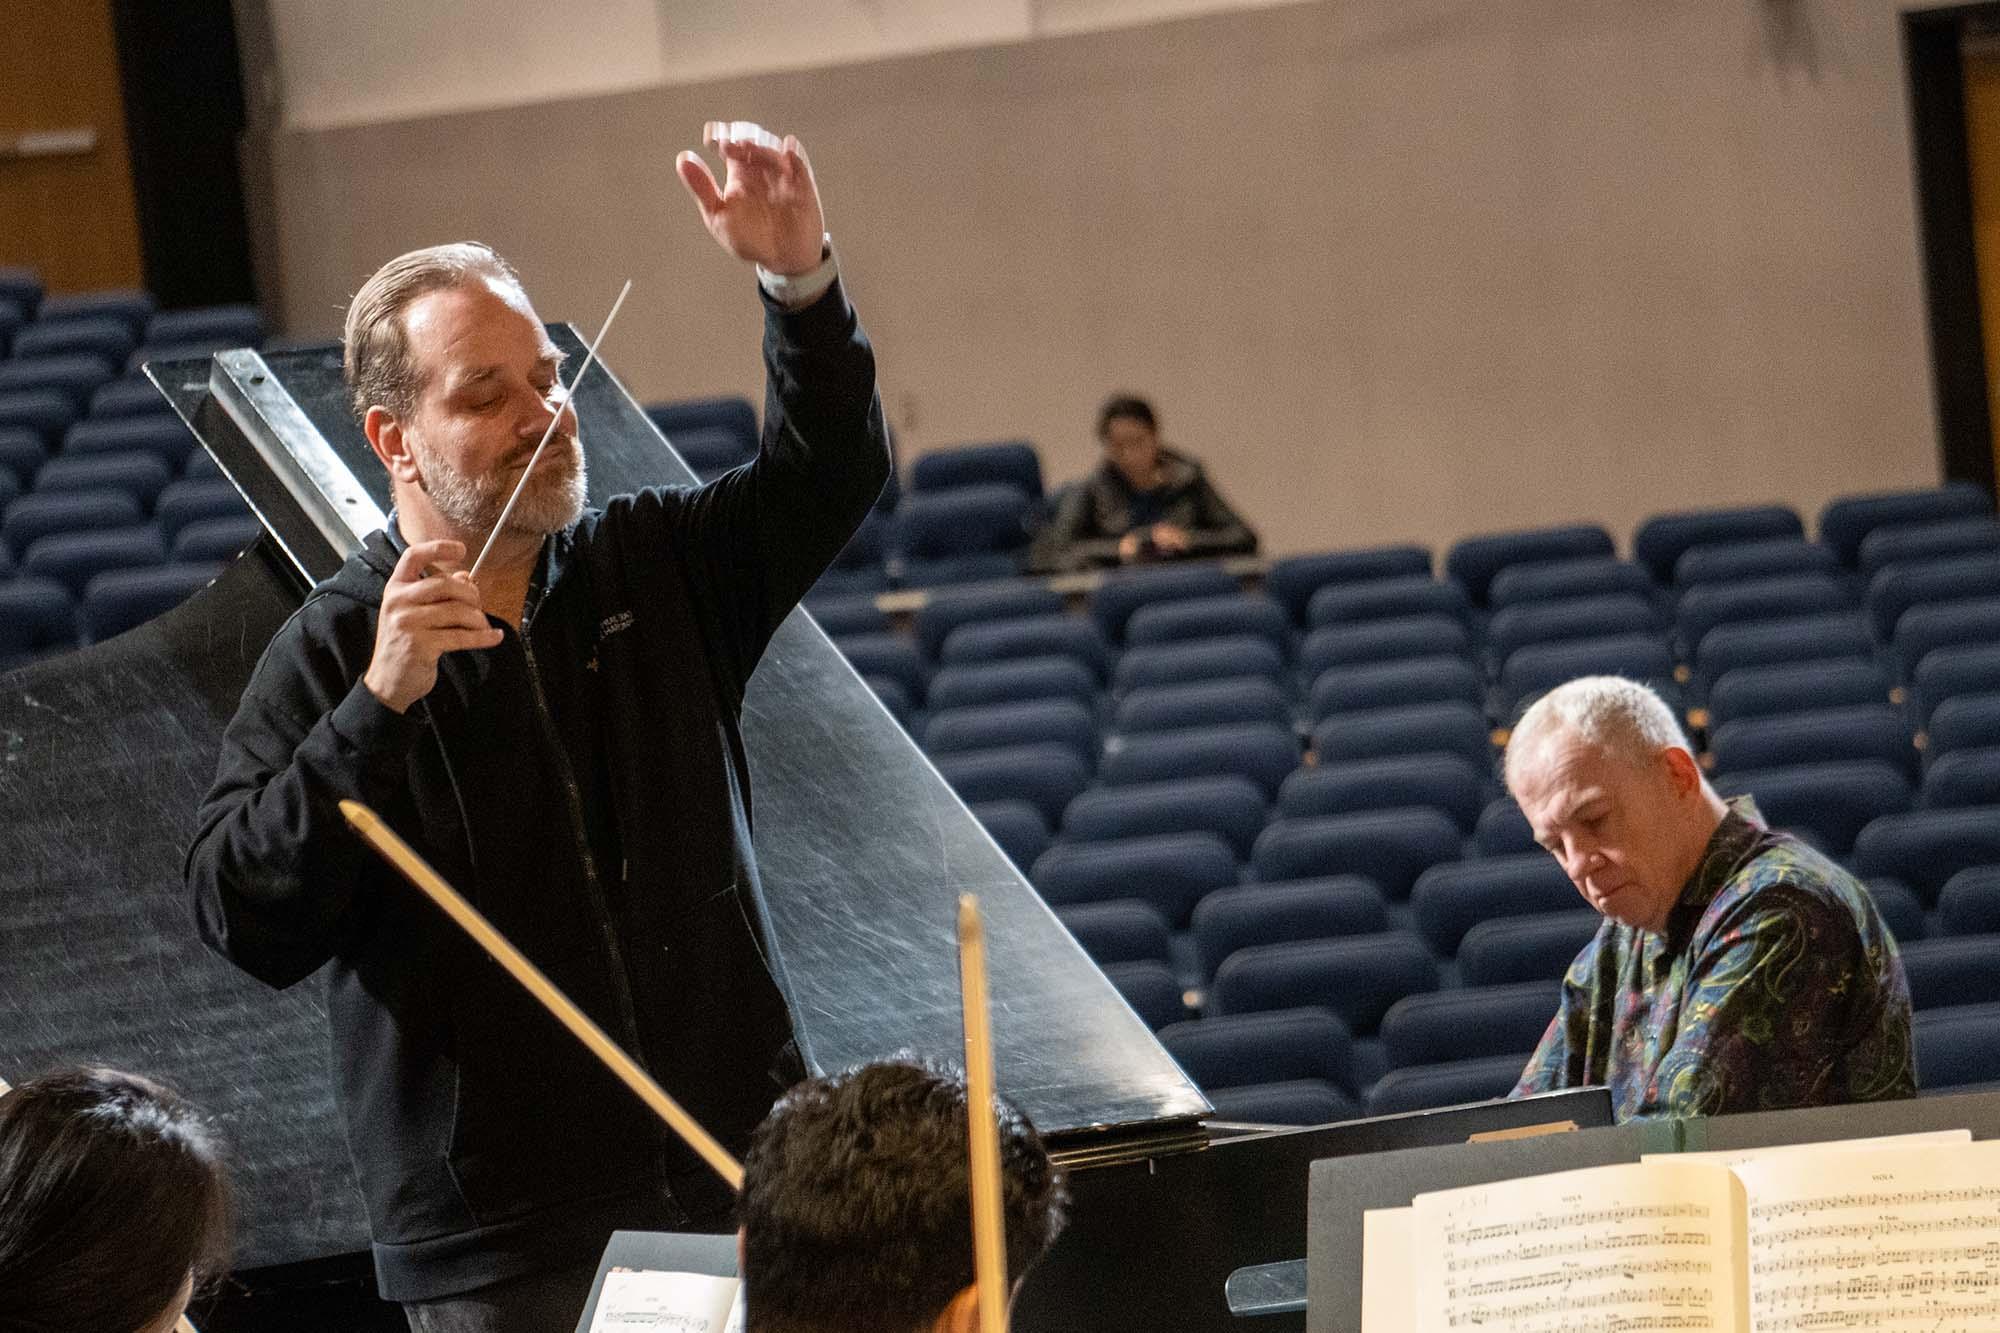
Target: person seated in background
<point x="1736" y="969"/>
<point x="856" y="1205"/>
<point x="114" y="1205"/>
<point x="1144" y="502"/>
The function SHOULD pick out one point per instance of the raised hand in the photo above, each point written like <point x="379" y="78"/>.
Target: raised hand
<point x="423" y="619"/>
<point x="767" y="212"/>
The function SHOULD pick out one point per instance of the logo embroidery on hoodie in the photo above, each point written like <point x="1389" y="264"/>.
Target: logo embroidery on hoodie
<point x="612" y="624"/>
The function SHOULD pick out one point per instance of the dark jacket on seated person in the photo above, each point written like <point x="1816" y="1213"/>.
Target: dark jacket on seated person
<point x="1092" y="516"/>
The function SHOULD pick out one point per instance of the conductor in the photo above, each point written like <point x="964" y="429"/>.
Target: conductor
<point x="561" y="738"/>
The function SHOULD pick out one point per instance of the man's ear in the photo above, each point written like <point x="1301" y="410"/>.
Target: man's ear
<point x="391" y="444"/>
<point x="1682" y="770"/>
<point x="962" y="1315"/>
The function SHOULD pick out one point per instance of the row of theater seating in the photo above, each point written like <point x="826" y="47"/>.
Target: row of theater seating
<point x="1140" y="757"/>
<point x="109" y="513"/>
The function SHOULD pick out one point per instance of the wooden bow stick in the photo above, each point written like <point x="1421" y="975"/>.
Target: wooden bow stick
<point x="500" y="523"/>
<point x="413" y="867"/>
<point x="989" y="1238"/>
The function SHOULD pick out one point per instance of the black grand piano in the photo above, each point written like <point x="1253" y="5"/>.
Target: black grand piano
<point x="104" y="754"/>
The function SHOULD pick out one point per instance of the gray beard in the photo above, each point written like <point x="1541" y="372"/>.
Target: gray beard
<point x="553" y="500"/>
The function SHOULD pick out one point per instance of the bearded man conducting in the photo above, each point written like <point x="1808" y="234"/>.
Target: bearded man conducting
<point x="560" y="739"/>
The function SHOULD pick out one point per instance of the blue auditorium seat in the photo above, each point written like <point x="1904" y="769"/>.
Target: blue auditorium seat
<point x="1818" y="735"/>
<point x="1274" y="1046"/>
<point x="1030" y="722"/>
<point x="710" y="451"/>
<point x="129" y="304"/>
<point x="889" y="655"/>
<point x="1964" y="722"/>
<point x="46" y="412"/>
<point x="73" y="559"/>
<point x="1393" y="639"/>
<point x="848" y="614"/>
<point x="164" y="437"/>
<point x="1304" y="1101"/>
<point x="1427" y="1087"/>
<point x="860" y="566"/>
<point x="1970" y="776"/>
<point x="1119" y="931"/>
<point x="1901" y="910"/>
<point x="1449" y="900"/>
<point x="1231" y="656"/>
<point x="1229" y="806"/>
<point x="1475" y="561"/>
<point x="12" y="317"/>
<point x="728" y="412"/>
<point x="1256" y="750"/>
<point x="1960" y="969"/>
<point x="1006" y="462"/>
<point x="1381" y="599"/>
<point x="1001" y="682"/>
<point x="36" y="616"/>
<point x="1948" y="672"/>
<point x="895" y="699"/>
<point x="1970" y="902"/>
<point x="1150" y="989"/>
<point x="1526" y="623"/>
<point x="1924" y="848"/>
<point x="961" y="535"/>
<point x="200" y="467"/>
<point x="1203" y="703"/>
<point x="73" y="375"/>
<point x="1833" y="801"/>
<point x="22" y="454"/>
<point x="1171" y="871"/>
<point x="1443" y="782"/>
<point x="220" y="539"/>
<point x="1561" y="580"/>
<point x="1503" y="830"/>
<point x="1706" y="605"/>
<point x="1390" y="847"/>
<point x="1786" y="639"/>
<point x="129" y="396"/>
<point x="240" y="325"/>
<point x="1293" y="580"/>
<point x="1753" y="560"/>
<point x="33" y="517"/>
<point x="1953" y="578"/>
<point x="1791" y="687"/>
<point x="22" y="286"/>
<point x="1187" y="619"/>
<point x="1896" y="543"/>
<point x="1525" y="948"/>
<point x="1017" y="827"/>
<point x="1123" y="592"/>
<point x="1309" y="909"/>
<point x="119" y="599"/>
<point x="1923" y="631"/>
<point x="1537" y="668"/>
<point x="109" y="340"/>
<point x="1846" y="522"/>
<point x="10" y="487"/>
<point x="1452" y="728"/>
<point x="1662" y="539"/>
<point x="1444" y="678"/>
<point x="1469" y="1024"/>
<point x="1047" y="777"/>
<point x="948" y="608"/>
<point x="1357" y="978"/>
<point x="1057" y="635"/>
<point x="6" y="556"/>
<point x="140" y="476"/>
<point x="1955" y="1046"/>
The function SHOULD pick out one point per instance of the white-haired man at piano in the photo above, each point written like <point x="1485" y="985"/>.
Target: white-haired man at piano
<point x="560" y="738"/>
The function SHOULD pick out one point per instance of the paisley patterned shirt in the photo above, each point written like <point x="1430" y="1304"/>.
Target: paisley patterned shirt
<point x="1775" y="984"/>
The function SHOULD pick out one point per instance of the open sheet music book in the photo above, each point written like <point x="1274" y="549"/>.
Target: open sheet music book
<point x="1892" y="1235"/>
<point x="644" y="1300"/>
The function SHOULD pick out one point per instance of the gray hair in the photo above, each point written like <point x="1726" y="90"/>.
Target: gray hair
<point x="1621" y="717"/>
<point x="376" y="362"/>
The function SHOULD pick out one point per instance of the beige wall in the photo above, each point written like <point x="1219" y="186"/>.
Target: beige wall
<point x="1396" y="268"/>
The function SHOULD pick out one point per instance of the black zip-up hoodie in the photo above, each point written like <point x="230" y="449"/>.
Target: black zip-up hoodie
<point x="587" y="788"/>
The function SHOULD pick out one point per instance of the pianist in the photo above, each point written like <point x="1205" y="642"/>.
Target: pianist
<point x="857" y="1209"/>
<point x="561" y="740"/>
<point x="1736" y="969"/>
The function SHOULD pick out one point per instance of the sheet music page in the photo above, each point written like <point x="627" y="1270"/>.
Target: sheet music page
<point x="1636" y="1249"/>
<point x="1737" y="1156"/>
<point x="1388" y="1270"/>
<point x="1900" y="1238"/>
<point x="642" y="1300"/>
